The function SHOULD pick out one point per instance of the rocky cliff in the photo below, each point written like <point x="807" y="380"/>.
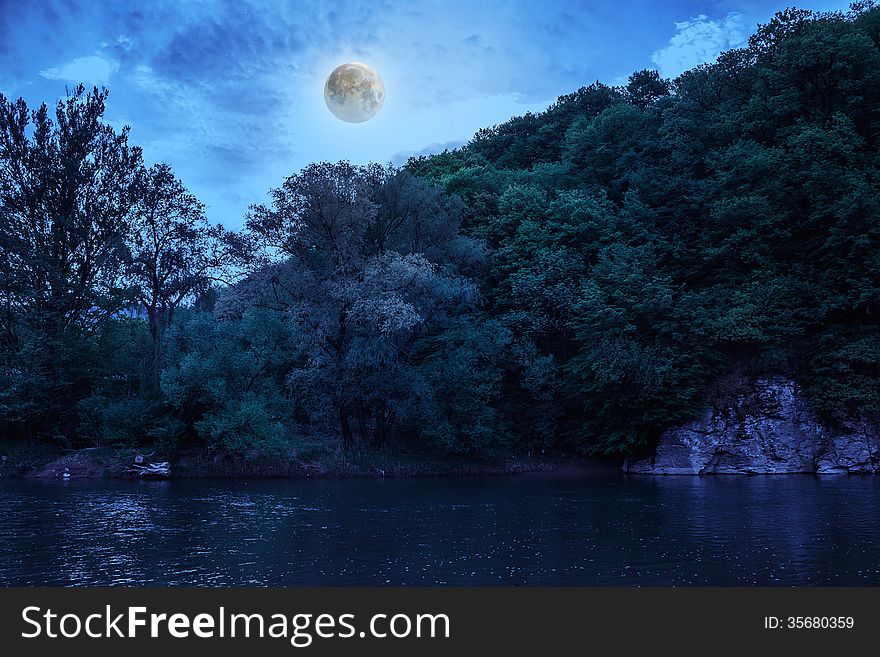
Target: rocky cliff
<point x="769" y="430"/>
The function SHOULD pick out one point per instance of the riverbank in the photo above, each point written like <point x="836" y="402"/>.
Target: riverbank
<point x="47" y="462"/>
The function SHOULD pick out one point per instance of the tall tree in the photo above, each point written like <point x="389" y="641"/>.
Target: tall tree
<point x="646" y="87"/>
<point x="359" y="304"/>
<point x="176" y="254"/>
<point x="67" y="190"/>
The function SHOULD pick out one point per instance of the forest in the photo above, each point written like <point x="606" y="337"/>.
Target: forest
<point x="571" y="282"/>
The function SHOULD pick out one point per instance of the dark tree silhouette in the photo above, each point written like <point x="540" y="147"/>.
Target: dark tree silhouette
<point x="67" y="189"/>
<point x="175" y="254"/>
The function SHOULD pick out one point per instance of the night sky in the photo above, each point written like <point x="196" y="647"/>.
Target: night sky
<point x="231" y="93"/>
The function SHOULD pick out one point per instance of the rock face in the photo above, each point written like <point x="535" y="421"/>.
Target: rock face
<point x="770" y="430"/>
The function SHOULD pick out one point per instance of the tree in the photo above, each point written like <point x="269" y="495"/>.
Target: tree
<point x="358" y="304"/>
<point x="175" y="254"/>
<point x="67" y="191"/>
<point x="646" y="87"/>
<point x="226" y="380"/>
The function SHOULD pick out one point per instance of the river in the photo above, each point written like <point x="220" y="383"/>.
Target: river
<point x="602" y="530"/>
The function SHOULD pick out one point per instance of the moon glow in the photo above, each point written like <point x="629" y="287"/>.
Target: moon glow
<point x="354" y="92"/>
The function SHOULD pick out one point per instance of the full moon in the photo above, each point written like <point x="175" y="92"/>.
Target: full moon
<point x="354" y="92"/>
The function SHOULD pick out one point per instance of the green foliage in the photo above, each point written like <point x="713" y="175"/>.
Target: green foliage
<point x="246" y="425"/>
<point x="116" y="422"/>
<point x="226" y="380"/>
<point x="461" y="370"/>
<point x="646" y="87"/>
<point x="67" y="188"/>
<point x="844" y="372"/>
<point x="669" y="234"/>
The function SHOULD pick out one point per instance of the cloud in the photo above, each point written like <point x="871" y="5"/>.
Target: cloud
<point x="223" y="50"/>
<point x="91" y="69"/>
<point x="697" y="41"/>
<point x="399" y="159"/>
<point x="230" y="91"/>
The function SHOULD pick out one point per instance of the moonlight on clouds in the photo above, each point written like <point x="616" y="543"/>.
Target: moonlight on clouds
<point x="354" y="92"/>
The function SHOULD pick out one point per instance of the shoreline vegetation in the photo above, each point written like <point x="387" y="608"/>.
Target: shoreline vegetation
<point x="42" y="462"/>
<point x="570" y="284"/>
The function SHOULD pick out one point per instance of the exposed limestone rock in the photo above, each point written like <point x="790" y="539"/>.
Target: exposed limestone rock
<point x="770" y="430"/>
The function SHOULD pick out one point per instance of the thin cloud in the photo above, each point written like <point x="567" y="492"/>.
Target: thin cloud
<point x="399" y="159"/>
<point x="92" y="69"/>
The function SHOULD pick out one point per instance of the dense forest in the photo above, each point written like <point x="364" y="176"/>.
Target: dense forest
<point x="569" y="282"/>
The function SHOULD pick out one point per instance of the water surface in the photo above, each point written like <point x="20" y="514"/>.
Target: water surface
<point x="782" y="530"/>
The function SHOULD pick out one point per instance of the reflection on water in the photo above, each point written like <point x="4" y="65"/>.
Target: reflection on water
<point x="518" y="531"/>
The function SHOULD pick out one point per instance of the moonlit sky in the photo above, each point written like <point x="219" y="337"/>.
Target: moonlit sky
<point x="230" y="93"/>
